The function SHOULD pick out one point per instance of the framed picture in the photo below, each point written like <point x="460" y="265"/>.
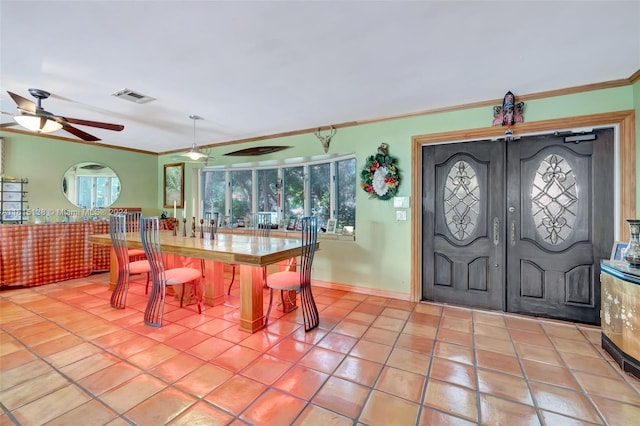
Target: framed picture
<point x="174" y="185"/>
<point x="331" y="226"/>
<point x="618" y="250"/>
<point x="291" y="225"/>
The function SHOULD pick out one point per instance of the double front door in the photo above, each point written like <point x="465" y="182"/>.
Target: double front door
<point x="519" y="226"/>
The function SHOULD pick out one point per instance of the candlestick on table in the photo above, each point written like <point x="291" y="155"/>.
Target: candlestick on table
<point x="201" y="228"/>
<point x="175" y="227"/>
<point x="184" y="226"/>
<point x="212" y="235"/>
<point x="193" y="226"/>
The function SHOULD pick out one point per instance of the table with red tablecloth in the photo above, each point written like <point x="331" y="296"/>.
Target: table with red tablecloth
<point x="32" y="255"/>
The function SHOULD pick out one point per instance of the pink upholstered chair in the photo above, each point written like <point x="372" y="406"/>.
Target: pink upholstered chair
<point x="300" y="280"/>
<point x="133" y="225"/>
<point x="161" y="277"/>
<point x="126" y="267"/>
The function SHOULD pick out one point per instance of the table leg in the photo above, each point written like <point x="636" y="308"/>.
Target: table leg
<point x="251" y="292"/>
<point x="213" y="283"/>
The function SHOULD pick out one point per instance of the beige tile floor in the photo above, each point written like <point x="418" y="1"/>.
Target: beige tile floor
<point x="67" y="358"/>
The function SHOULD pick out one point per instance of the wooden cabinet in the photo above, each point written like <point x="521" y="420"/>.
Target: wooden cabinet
<point x="13" y="200"/>
<point x="620" y="314"/>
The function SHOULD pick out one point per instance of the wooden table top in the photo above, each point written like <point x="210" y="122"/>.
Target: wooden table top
<point x="227" y="248"/>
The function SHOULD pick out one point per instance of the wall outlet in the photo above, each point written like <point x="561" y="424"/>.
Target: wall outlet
<point x="401" y="215"/>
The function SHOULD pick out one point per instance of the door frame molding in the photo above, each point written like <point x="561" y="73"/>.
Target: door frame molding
<point x="624" y="132"/>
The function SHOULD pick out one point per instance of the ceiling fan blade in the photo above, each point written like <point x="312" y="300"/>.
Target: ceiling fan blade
<point x="108" y="126"/>
<point x="23" y="103"/>
<point x="79" y="133"/>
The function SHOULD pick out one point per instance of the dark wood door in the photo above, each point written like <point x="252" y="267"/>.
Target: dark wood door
<point x="463" y="224"/>
<point x="560" y="224"/>
<point x="519" y="226"/>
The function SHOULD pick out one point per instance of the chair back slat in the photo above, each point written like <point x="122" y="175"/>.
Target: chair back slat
<point x="150" y="236"/>
<point x="118" y="233"/>
<point x="261" y="224"/>
<point x="133" y="221"/>
<point x="309" y="240"/>
<point x="310" y="313"/>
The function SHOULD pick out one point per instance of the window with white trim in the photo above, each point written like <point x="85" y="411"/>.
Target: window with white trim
<point x="324" y="188"/>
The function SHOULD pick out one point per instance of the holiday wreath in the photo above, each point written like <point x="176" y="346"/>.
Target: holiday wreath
<point x="380" y="175"/>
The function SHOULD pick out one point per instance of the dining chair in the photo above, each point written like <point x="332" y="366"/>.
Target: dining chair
<point x="133" y="225"/>
<point x="260" y="227"/>
<point x="161" y="277"/>
<point x="299" y="280"/>
<point x="126" y="267"/>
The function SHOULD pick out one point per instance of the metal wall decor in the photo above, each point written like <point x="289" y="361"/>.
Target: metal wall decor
<point x="380" y="176"/>
<point x="507" y="114"/>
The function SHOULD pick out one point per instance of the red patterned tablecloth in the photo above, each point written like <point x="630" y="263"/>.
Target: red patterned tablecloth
<point x="101" y="254"/>
<point x="32" y="255"/>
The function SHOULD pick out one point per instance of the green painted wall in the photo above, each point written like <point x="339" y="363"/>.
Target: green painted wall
<point x="380" y="256"/>
<point x="44" y="161"/>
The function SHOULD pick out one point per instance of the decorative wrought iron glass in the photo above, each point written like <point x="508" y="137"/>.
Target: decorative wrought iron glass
<point x="554" y="199"/>
<point x="461" y="200"/>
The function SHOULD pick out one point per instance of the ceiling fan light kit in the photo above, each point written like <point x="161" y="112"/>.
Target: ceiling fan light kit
<point x="38" y="124"/>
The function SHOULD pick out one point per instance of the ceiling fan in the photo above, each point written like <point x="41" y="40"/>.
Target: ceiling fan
<point x="33" y="117"/>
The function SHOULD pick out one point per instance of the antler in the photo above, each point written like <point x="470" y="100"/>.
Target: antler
<point x="326" y="139"/>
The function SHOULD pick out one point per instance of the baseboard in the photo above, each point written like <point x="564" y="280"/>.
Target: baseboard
<point x="362" y="290"/>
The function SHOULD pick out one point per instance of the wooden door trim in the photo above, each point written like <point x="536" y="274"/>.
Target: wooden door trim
<point x="624" y="120"/>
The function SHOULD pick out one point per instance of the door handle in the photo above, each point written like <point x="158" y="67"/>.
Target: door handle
<point x="513" y="233"/>
<point x="496" y="231"/>
<point x="511" y="209"/>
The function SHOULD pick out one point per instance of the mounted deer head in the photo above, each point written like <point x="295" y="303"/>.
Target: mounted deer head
<point x="326" y="139"/>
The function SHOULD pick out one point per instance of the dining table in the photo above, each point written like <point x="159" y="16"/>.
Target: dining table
<point x="250" y="252"/>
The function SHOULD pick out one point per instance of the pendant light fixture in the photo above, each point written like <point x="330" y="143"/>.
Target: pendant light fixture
<point x="194" y="155"/>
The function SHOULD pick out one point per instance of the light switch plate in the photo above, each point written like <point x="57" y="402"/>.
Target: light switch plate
<point x="401" y="202"/>
<point x="401" y="215"/>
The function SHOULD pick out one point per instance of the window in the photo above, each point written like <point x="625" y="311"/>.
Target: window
<point x="241" y="194"/>
<point x="320" y="192"/>
<point x="325" y="189"/>
<point x="293" y="191"/>
<point x="267" y="190"/>
<point x="346" y="192"/>
<point x="214" y="187"/>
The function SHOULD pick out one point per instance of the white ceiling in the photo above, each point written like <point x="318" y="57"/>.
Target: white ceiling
<point x="256" y="68"/>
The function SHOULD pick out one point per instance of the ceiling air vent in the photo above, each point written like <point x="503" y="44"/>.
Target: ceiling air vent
<point x="132" y="96"/>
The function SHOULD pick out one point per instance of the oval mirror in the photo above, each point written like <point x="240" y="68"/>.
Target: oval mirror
<point x="91" y="185"/>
